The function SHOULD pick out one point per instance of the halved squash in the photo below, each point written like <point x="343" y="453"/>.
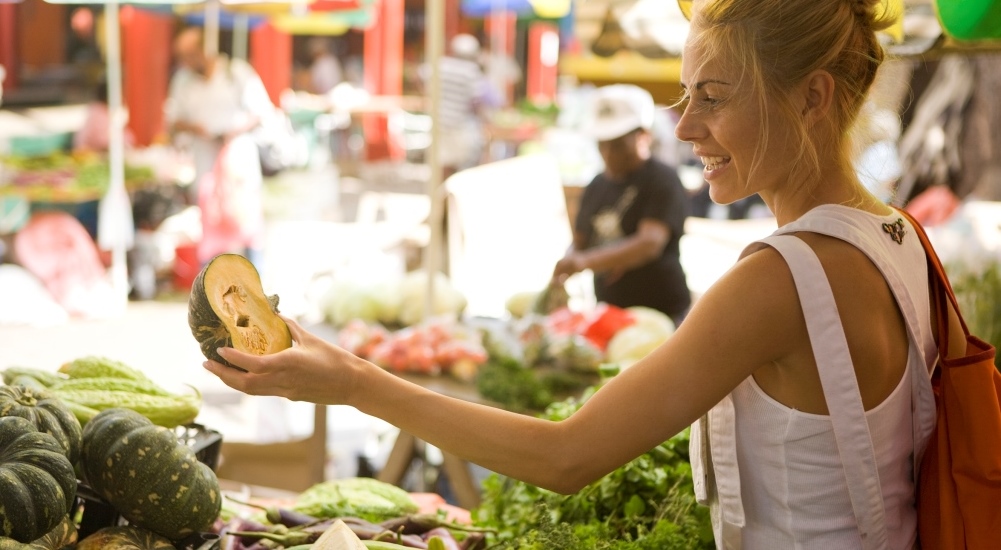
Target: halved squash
<point x="228" y="308"/>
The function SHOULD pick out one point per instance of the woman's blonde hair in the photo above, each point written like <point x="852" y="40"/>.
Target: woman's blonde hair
<point x="778" y="43"/>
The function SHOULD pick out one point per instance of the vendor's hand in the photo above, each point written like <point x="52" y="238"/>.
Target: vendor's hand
<point x="311" y="370"/>
<point x="572" y="263"/>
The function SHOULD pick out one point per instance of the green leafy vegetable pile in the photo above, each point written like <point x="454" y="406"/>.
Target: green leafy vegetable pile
<point x="647" y="504"/>
<point x="507" y="382"/>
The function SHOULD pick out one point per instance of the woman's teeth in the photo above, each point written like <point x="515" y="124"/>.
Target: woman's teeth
<point x="712" y="163"/>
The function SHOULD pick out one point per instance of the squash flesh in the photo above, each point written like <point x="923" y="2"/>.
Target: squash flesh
<point x="228" y="308"/>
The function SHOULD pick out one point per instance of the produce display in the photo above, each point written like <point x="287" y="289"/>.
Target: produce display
<point x="544" y="352"/>
<point x="228" y="308"/>
<point x="391" y="301"/>
<point x="62" y="177"/>
<point x="89" y="385"/>
<point x="647" y="504"/>
<point x="350" y="513"/>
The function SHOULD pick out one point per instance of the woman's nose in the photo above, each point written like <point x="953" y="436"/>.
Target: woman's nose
<point x="688" y="128"/>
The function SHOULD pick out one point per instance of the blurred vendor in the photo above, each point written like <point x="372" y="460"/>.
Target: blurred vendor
<point x="632" y="215"/>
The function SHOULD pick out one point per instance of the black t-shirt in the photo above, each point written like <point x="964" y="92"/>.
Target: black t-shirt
<point x="611" y="210"/>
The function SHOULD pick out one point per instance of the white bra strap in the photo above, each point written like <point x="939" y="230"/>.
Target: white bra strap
<point x="837" y="376"/>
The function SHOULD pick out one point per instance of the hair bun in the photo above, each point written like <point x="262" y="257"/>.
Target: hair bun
<point x="863" y="8"/>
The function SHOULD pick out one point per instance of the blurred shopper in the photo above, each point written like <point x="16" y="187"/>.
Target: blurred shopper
<point x="214" y="103"/>
<point x="95" y="133"/>
<point x="461" y="113"/>
<point x="632" y="215"/>
<point x="324" y="69"/>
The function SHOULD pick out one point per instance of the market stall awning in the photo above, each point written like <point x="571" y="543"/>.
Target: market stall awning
<point x="546" y="9"/>
<point x="301" y="17"/>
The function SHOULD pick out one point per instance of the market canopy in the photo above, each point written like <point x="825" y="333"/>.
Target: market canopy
<point x="301" y="17"/>
<point x="546" y="9"/>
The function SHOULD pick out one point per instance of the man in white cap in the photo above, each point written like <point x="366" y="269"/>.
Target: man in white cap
<point x="632" y="215"/>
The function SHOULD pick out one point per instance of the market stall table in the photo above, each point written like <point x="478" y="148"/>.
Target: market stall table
<point x="405" y="448"/>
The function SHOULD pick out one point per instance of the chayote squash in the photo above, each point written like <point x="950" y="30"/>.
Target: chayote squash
<point x="37" y="481"/>
<point x="153" y="480"/>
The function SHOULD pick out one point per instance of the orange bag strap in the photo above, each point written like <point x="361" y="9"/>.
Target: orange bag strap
<point x="939" y="282"/>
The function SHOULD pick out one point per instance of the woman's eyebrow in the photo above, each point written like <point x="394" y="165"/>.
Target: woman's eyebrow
<point x="699" y="85"/>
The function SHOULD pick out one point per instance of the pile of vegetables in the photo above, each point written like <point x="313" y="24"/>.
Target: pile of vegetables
<point x="537" y="359"/>
<point x="91" y="384"/>
<point x="394" y="301"/>
<point x="647" y="504"/>
<point x="60" y="176"/>
<point x="377" y="514"/>
<point x="66" y="432"/>
<point x="437" y="346"/>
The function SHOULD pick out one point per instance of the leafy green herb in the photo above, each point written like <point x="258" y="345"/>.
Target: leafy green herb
<point x="646" y="504"/>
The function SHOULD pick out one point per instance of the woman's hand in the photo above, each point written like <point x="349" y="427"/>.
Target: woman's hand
<point x="311" y="370"/>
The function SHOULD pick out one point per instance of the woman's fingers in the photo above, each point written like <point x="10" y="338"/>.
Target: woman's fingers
<point x="231" y="377"/>
<point x="298" y="333"/>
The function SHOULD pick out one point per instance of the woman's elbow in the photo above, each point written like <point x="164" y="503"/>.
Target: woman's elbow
<point x="570" y="476"/>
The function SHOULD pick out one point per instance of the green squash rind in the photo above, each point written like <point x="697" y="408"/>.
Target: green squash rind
<point x="125" y="537"/>
<point x="47" y="412"/>
<point x="62" y="536"/>
<point x="37" y="481"/>
<point x="153" y="481"/>
<point x="205" y="324"/>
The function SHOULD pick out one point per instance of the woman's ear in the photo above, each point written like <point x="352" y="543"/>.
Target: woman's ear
<point x="818" y="95"/>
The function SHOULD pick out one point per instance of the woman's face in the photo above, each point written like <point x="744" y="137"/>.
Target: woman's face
<point x="723" y="121"/>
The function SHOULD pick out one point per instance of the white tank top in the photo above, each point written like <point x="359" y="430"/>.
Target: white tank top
<point x="776" y="477"/>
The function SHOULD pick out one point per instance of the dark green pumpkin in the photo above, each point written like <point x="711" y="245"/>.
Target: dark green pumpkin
<point x="125" y="537"/>
<point x="227" y="308"/>
<point x="37" y="482"/>
<point x="153" y="480"/>
<point x="63" y="536"/>
<point x="47" y="412"/>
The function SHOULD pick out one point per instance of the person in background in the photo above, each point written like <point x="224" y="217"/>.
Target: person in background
<point x="213" y="105"/>
<point x="632" y="215"/>
<point x="93" y="136"/>
<point x="809" y="419"/>
<point x="461" y="112"/>
<point x="324" y="69"/>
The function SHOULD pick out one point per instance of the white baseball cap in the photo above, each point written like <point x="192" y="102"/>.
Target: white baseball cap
<point x="617" y="110"/>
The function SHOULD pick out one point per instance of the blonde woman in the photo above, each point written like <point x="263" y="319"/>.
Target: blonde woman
<point x="807" y="362"/>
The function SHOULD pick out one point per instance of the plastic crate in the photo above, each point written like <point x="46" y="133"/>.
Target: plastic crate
<point x="95" y="513"/>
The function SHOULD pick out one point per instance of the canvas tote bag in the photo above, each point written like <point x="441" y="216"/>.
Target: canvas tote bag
<point x="959" y="481"/>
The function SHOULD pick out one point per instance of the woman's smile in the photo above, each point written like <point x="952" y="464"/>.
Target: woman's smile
<point x="714" y="166"/>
